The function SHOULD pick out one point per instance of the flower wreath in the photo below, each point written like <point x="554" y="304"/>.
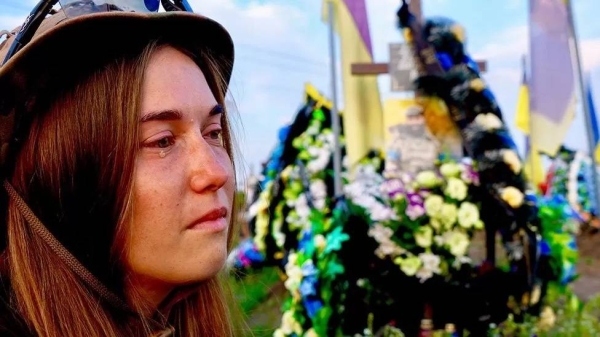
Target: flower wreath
<point x="423" y="223"/>
<point x="572" y="178"/>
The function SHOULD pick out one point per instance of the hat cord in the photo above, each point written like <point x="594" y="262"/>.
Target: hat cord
<point x="61" y="251"/>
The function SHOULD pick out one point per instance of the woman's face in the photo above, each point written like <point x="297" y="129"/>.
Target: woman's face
<point x="183" y="183"/>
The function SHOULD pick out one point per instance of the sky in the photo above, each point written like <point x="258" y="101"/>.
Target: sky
<point x="283" y="44"/>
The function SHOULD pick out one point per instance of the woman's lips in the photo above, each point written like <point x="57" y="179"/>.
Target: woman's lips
<point x="214" y="220"/>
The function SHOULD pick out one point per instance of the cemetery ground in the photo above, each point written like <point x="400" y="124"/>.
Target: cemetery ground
<point x="261" y="293"/>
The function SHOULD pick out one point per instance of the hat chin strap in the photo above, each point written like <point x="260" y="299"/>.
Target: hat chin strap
<point x="61" y="251"/>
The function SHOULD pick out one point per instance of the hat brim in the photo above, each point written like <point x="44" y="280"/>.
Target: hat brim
<point x="82" y="43"/>
<point x="86" y="40"/>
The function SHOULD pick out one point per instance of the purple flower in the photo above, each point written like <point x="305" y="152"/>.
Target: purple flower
<point x="414" y="199"/>
<point x="469" y="175"/>
<point x="392" y="187"/>
<point x="415" y="211"/>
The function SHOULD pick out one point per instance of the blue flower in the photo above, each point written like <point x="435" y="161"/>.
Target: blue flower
<point x="312" y="305"/>
<point x="568" y="273"/>
<point x="306" y="240"/>
<point x="308" y="286"/>
<point x="445" y="60"/>
<point x="309" y="269"/>
<point x="544" y="248"/>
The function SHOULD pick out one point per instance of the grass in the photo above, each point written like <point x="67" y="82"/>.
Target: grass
<point x="260" y="295"/>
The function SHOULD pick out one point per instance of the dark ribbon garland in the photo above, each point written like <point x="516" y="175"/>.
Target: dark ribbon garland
<point x="521" y="234"/>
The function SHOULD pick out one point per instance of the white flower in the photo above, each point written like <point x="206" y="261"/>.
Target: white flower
<point x="456" y="189"/>
<point x="424" y="236"/>
<point x="318" y="189"/>
<point x="313" y="129"/>
<point x="320" y="161"/>
<point x="311" y="333"/>
<point x="450" y="169"/>
<point x="448" y="215"/>
<point x="302" y="208"/>
<point x="380" y="232"/>
<point x="488" y="121"/>
<point x="460" y="260"/>
<point x="433" y="205"/>
<point x="289" y="325"/>
<point x="431" y="261"/>
<point x="427" y="179"/>
<point x="424" y="274"/>
<point x="379" y="212"/>
<point x="294" y="274"/>
<point x="458" y="242"/>
<point x="468" y="215"/>
<point x="388" y="248"/>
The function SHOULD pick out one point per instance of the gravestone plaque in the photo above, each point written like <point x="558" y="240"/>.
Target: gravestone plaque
<point x="411" y="149"/>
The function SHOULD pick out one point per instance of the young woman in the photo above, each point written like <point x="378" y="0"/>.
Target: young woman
<point x="118" y="175"/>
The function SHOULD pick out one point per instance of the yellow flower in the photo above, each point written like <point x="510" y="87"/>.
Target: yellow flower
<point x="294" y="275"/>
<point x="456" y="189"/>
<point x="459" y="32"/>
<point x="511" y="159"/>
<point x="477" y="85"/>
<point x="320" y="242"/>
<point x="407" y="35"/>
<point x="435" y="223"/>
<point x="488" y="121"/>
<point x="468" y="215"/>
<point x="512" y="196"/>
<point x="424" y="236"/>
<point x="458" y="242"/>
<point x="289" y="325"/>
<point x="448" y="215"/>
<point x="450" y="170"/>
<point x="433" y="205"/>
<point x="409" y="266"/>
<point x="547" y="319"/>
<point x="311" y="333"/>
<point x="427" y="179"/>
<point x="285" y="174"/>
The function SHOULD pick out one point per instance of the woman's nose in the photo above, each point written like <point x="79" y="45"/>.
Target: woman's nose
<point x="210" y="167"/>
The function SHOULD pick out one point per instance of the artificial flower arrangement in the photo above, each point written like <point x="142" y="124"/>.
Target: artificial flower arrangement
<point x="571" y="177"/>
<point x="425" y="223"/>
<point x="312" y="267"/>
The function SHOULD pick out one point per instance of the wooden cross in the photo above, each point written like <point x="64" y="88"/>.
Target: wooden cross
<point x="383" y="68"/>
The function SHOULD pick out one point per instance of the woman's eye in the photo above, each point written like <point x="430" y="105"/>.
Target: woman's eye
<point x="162" y="142"/>
<point x="216" y="136"/>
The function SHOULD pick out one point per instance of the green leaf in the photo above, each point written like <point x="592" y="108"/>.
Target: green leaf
<point x="334" y="268"/>
<point x="319" y="115"/>
<point x="335" y="240"/>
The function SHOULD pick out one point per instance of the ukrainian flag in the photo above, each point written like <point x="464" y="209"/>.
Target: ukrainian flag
<point x="363" y="112"/>
<point x="594" y="118"/>
<point x="534" y="168"/>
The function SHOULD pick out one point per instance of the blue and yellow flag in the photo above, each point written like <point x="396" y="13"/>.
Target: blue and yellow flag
<point x="363" y="114"/>
<point x="552" y="81"/>
<point x="593" y="118"/>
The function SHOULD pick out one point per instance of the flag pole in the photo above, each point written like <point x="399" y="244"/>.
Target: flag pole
<point x="586" y="106"/>
<point x="528" y="147"/>
<point x="335" y="119"/>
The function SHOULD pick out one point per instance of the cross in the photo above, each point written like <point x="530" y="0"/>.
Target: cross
<point x="384" y="68"/>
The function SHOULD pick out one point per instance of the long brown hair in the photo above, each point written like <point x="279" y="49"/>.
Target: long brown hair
<point x="75" y="170"/>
